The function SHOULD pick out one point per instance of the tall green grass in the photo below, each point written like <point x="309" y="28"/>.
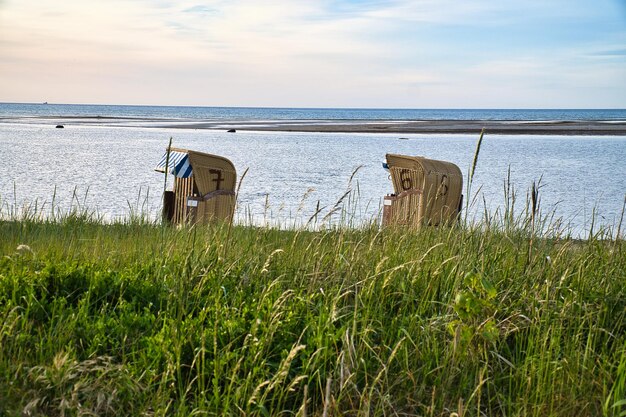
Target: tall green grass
<point x="504" y="316"/>
<point x="507" y="316"/>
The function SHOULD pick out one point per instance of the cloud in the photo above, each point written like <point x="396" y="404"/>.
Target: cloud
<point x="327" y="52"/>
<point x="200" y="10"/>
<point x="610" y="53"/>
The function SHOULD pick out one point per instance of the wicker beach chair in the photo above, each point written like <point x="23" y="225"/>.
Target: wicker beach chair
<point x="204" y="187"/>
<point x="427" y="192"/>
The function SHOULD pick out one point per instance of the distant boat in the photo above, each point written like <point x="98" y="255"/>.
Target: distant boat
<point x="45" y="102"/>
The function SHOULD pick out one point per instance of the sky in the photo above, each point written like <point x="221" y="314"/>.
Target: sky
<point x="326" y="53"/>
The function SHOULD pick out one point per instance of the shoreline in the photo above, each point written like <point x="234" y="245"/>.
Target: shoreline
<point x="436" y="126"/>
<point x="504" y="127"/>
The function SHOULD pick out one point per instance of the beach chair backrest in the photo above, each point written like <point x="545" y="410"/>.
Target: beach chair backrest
<point x="432" y="189"/>
<point x="215" y="179"/>
<point x="212" y="172"/>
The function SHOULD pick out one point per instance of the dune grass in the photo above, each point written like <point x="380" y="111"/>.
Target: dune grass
<point x="132" y="318"/>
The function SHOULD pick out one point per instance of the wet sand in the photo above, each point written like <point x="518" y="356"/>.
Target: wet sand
<point x="435" y="126"/>
<point x="505" y="127"/>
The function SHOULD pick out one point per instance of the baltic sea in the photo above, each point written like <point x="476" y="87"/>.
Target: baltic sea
<point x="104" y="157"/>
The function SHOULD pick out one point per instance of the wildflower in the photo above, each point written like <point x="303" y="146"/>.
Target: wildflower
<point x="21" y="249"/>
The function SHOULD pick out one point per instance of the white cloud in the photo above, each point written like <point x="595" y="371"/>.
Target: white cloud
<point x="280" y="52"/>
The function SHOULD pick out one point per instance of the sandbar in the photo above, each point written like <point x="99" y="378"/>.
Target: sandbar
<point x="504" y="127"/>
<point x="614" y="128"/>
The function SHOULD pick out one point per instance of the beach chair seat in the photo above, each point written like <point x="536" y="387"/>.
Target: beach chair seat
<point x="427" y="192"/>
<point x="204" y="187"/>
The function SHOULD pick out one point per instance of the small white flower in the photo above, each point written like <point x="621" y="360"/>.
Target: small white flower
<point x="24" y="248"/>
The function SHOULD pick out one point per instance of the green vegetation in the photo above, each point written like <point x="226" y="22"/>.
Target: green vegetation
<point x="133" y="318"/>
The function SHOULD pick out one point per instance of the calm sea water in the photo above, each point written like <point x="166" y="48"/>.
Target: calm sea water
<point x="109" y="169"/>
<point x="257" y="113"/>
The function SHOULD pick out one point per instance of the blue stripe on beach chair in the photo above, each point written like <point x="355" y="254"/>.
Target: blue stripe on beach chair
<point x="178" y="164"/>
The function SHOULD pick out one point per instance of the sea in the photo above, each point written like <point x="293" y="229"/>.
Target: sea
<point x="103" y="162"/>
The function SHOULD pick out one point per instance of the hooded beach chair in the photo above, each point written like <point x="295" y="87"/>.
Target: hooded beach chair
<point x="426" y="192"/>
<point x="204" y="187"/>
